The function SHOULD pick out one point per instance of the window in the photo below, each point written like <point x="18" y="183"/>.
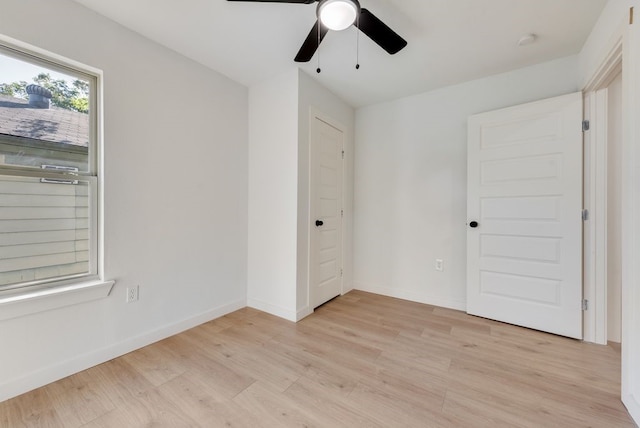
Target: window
<point x="48" y="171"/>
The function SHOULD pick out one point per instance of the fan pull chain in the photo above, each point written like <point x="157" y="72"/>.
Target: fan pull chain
<point x="318" y="70"/>
<point x="358" y="43"/>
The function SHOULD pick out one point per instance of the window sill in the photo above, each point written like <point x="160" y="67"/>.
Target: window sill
<point x="15" y="305"/>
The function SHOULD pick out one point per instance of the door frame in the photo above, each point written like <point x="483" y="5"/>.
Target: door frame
<point x="595" y="195"/>
<point x="626" y="40"/>
<point x="315" y="113"/>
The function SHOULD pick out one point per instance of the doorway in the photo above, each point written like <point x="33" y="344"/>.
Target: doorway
<point x="603" y="201"/>
<point x="326" y="210"/>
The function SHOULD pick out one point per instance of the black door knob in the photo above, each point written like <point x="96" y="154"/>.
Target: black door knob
<point x="319" y="223"/>
<point x="473" y="224"/>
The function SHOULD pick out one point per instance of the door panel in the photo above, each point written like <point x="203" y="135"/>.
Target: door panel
<point x="326" y="206"/>
<point x="524" y="259"/>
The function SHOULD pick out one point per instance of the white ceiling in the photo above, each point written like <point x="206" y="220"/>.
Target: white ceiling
<point x="450" y="41"/>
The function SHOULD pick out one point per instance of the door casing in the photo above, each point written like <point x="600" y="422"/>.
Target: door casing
<point x="595" y="196"/>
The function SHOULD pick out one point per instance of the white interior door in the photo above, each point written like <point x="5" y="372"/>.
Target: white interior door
<point x="524" y="255"/>
<point x="326" y="212"/>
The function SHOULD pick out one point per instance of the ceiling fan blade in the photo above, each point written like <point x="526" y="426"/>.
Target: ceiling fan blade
<point x="311" y="43"/>
<point x="279" y="1"/>
<point x="379" y="32"/>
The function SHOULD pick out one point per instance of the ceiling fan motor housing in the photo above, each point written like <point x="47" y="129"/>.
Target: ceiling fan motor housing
<point x="338" y="15"/>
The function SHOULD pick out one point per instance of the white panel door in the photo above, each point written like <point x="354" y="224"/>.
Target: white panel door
<point x="326" y="212"/>
<point x="524" y="231"/>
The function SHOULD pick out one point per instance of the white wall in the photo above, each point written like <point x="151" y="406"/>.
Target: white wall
<point x="410" y="181"/>
<point x="273" y="188"/>
<point x="312" y="94"/>
<point x="176" y="147"/>
<point x="279" y="189"/>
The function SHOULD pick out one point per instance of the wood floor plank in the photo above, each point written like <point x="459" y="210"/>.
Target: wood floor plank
<point x="355" y="333"/>
<point x="321" y="396"/>
<point x="393" y="411"/>
<point x="119" y="379"/>
<point x="156" y="364"/>
<point x="362" y="360"/>
<point x="565" y="367"/>
<point x="30" y="410"/>
<point x="226" y="379"/>
<point x="246" y="358"/>
<point x="278" y="410"/>
<point x="398" y="322"/>
<point x="203" y="403"/>
<point x="144" y="410"/>
<point x="80" y="398"/>
<point x="474" y="413"/>
<point x="527" y="389"/>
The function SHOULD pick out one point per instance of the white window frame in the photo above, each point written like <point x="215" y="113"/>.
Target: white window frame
<point x="27" y="298"/>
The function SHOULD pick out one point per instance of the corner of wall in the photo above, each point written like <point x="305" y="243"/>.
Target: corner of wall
<point x="303" y="313"/>
<point x="273" y="170"/>
<point x="272" y="309"/>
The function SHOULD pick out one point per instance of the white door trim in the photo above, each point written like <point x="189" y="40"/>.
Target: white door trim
<point x="595" y="228"/>
<point x="314" y="113"/>
<point x="610" y="65"/>
<point x="625" y="44"/>
<point x="595" y="192"/>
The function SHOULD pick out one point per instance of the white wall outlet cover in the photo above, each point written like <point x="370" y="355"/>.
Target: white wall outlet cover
<point x="132" y="293"/>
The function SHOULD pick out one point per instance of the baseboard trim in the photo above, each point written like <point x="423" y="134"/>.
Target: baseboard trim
<point x="303" y="313"/>
<point x="410" y="295"/>
<point x="347" y="287"/>
<point x="272" y="309"/>
<point x="45" y="376"/>
<point x="632" y="404"/>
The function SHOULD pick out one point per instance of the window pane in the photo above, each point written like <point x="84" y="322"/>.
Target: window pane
<point x="44" y="116"/>
<point x="44" y="230"/>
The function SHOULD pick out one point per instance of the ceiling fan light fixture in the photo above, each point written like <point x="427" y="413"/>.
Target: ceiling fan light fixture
<point x="338" y="15"/>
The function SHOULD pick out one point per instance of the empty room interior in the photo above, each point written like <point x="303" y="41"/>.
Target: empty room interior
<point x="446" y="234"/>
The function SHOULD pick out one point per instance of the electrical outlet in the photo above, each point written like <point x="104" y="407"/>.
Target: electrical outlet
<point x="439" y="265"/>
<point x="132" y="293"/>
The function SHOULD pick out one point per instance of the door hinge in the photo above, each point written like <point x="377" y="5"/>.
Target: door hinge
<point x="343" y="154"/>
<point x="585" y="305"/>
<point x="585" y="215"/>
<point x="585" y="125"/>
<point x="341" y="273"/>
<point x="341" y="213"/>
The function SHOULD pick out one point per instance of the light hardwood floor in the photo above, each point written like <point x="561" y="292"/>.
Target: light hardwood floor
<point x="361" y="360"/>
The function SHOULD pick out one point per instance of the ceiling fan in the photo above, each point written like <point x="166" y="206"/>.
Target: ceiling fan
<point x="338" y="15"/>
